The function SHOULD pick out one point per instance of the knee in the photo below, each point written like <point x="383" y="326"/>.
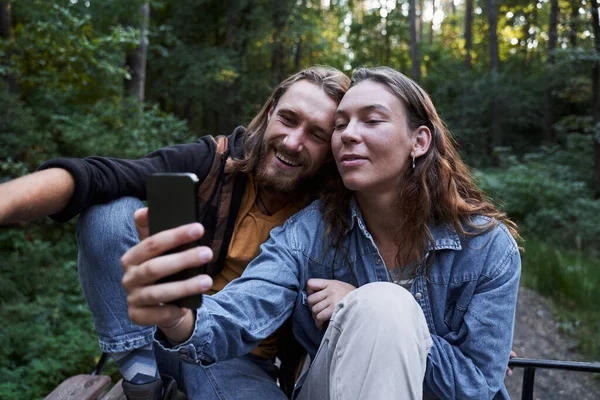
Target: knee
<point x="381" y="303"/>
<point x="107" y="226"/>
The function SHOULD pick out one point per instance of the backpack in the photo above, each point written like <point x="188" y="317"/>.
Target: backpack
<point x="215" y="199"/>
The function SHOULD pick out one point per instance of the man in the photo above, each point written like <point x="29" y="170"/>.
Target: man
<point x="269" y="172"/>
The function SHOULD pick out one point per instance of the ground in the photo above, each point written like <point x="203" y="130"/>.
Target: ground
<point x="537" y="336"/>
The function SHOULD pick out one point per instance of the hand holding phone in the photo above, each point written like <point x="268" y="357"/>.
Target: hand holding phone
<point x="173" y="201"/>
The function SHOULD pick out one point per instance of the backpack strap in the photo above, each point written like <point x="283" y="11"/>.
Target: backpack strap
<point x="215" y="195"/>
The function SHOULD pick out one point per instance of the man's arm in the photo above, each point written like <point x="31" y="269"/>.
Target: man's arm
<point x="66" y="186"/>
<point x="35" y="195"/>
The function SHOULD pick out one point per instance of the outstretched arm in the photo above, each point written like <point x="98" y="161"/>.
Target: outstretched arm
<point x="35" y="195"/>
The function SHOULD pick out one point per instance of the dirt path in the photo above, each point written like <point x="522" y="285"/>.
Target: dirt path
<point x="537" y="336"/>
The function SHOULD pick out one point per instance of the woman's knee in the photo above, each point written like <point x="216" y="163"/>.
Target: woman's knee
<point x="380" y="302"/>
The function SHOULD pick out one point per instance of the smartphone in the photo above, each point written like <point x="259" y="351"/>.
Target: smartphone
<point x="173" y="201"/>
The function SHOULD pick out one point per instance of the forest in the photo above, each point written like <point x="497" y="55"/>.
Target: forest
<point x="516" y="81"/>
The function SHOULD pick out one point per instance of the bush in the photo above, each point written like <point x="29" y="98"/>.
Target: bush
<point x="23" y="142"/>
<point x="47" y="331"/>
<point x="117" y="128"/>
<point x="548" y="194"/>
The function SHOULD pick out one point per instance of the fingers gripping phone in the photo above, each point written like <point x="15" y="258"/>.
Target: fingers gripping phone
<point x="173" y="201"/>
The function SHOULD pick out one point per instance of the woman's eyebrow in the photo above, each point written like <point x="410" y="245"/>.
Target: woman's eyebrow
<point x="376" y="107"/>
<point x="370" y="107"/>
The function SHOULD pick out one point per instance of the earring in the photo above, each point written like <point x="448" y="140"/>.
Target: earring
<point x="413" y="155"/>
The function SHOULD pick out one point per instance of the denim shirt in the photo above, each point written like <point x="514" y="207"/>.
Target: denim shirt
<point x="468" y="299"/>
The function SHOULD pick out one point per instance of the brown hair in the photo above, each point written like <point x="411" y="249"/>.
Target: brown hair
<point x="333" y="82"/>
<point x="440" y="189"/>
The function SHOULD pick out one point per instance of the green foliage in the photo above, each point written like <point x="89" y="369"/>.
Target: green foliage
<point x="23" y="142"/>
<point x="117" y="129"/>
<point x="571" y="280"/>
<point x="548" y="193"/>
<point x="62" y="51"/>
<point x="47" y="328"/>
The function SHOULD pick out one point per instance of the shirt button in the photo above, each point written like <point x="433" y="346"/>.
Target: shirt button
<point x="378" y="261"/>
<point x="418" y="295"/>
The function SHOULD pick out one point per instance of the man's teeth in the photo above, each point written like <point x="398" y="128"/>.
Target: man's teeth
<point x="286" y="160"/>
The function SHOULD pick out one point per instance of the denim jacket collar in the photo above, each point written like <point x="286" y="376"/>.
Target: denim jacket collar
<point x="444" y="236"/>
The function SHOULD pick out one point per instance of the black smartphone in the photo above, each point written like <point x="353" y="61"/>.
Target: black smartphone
<point x="172" y="202"/>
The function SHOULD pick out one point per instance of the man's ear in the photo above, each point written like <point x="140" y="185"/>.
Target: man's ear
<point x="422" y="141"/>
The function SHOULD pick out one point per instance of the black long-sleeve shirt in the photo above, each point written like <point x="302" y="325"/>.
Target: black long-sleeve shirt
<point x="102" y="179"/>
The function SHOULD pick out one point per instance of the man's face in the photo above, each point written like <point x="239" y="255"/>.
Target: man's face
<point x="297" y="138"/>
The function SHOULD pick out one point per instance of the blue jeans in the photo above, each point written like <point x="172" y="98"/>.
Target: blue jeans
<point x="104" y="233"/>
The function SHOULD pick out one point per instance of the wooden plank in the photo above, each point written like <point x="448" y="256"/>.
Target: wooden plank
<point x="116" y="393"/>
<point x="80" y="387"/>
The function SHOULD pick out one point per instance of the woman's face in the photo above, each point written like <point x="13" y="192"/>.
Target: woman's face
<point x="371" y="141"/>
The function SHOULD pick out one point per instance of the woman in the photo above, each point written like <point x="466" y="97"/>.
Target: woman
<point x="436" y="267"/>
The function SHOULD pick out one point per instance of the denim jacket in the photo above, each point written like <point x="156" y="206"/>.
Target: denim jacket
<point x="468" y="299"/>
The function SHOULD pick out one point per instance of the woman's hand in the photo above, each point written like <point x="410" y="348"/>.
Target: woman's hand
<point x="323" y="296"/>
<point x="509" y="371"/>
<point x="144" y="264"/>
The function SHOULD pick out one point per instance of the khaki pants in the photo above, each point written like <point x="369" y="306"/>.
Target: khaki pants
<point x="375" y="347"/>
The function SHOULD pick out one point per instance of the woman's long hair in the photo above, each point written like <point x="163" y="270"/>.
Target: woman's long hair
<point x="439" y="190"/>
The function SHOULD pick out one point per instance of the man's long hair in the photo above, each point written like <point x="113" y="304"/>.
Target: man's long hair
<point x="332" y="81"/>
<point x="439" y="190"/>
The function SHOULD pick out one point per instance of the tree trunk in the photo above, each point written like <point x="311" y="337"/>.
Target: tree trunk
<point x="298" y="47"/>
<point x="421" y="11"/>
<point x="468" y="32"/>
<point x="573" y="22"/>
<point x="136" y="60"/>
<point x="228" y="115"/>
<point x="547" y="127"/>
<point x="7" y="34"/>
<point x="387" y="52"/>
<point x="431" y="23"/>
<point x="298" y="54"/>
<point x="414" y="50"/>
<point x="231" y="29"/>
<point x="596" y="98"/>
<point x="496" y="130"/>
<point x="281" y="11"/>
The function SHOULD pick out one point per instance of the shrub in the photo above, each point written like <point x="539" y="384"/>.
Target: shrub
<point x="548" y="194"/>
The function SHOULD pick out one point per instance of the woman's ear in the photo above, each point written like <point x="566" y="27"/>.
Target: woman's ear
<point x="422" y="138"/>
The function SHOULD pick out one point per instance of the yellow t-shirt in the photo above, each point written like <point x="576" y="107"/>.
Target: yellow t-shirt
<point x="251" y="229"/>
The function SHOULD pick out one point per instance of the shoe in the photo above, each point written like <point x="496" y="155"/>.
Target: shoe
<point x="160" y="389"/>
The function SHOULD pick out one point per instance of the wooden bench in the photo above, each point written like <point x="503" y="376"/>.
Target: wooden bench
<point x="87" y="387"/>
<point x="92" y="386"/>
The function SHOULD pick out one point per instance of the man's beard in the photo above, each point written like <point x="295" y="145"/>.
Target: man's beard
<point x="267" y="177"/>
